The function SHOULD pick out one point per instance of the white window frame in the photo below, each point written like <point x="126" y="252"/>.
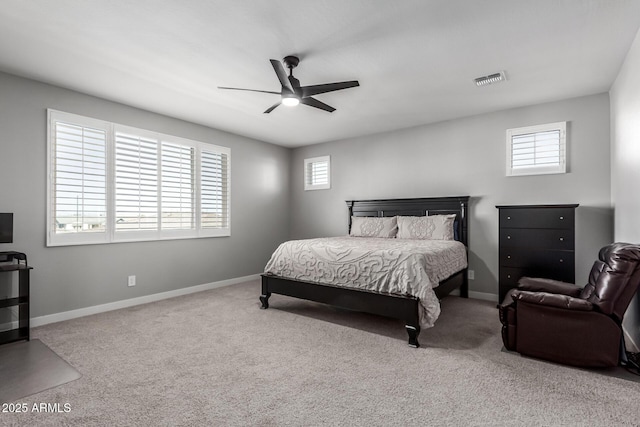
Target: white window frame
<point x="308" y="173"/>
<point x="110" y="235"/>
<point x="560" y="167"/>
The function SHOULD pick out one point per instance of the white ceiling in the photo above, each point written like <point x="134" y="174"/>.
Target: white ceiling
<point x="415" y="59"/>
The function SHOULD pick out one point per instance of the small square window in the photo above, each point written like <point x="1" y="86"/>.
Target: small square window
<point x="537" y="150"/>
<point x="317" y="173"/>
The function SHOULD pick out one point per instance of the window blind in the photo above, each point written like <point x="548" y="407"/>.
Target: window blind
<point x="136" y="183"/>
<point x="536" y="149"/>
<point x="214" y="190"/>
<point x="318" y="173"/>
<point x="177" y="187"/>
<point x="79" y="179"/>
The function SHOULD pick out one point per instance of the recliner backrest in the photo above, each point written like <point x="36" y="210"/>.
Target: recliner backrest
<point x="614" y="279"/>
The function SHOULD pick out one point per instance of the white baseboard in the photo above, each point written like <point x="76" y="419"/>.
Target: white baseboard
<point x="477" y="295"/>
<point x="87" y="311"/>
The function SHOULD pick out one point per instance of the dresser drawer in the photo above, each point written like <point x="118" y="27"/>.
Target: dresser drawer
<point x="561" y="218"/>
<point x="509" y="277"/>
<point x="538" y="259"/>
<point x="537" y="238"/>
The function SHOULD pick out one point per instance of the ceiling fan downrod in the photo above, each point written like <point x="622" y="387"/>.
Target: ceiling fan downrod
<point x="291" y="62"/>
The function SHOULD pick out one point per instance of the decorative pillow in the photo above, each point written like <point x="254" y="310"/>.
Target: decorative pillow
<point x="367" y="226"/>
<point x="432" y="227"/>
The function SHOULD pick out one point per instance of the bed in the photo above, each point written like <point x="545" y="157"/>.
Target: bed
<point x="404" y="306"/>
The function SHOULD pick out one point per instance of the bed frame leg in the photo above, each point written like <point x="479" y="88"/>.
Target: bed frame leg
<point x="464" y="288"/>
<point x="413" y="332"/>
<point x="264" y="299"/>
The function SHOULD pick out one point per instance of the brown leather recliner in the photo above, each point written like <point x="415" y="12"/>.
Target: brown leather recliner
<point x="564" y="323"/>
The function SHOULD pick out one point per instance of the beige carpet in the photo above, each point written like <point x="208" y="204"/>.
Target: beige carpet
<point x="216" y="359"/>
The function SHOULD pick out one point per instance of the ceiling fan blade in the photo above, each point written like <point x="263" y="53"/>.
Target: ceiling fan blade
<point x="312" y="102"/>
<point x="282" y="74"/>
<point x="248" y="90"/>
<point x="328" y="87"/>
<point x="270" y="109"/>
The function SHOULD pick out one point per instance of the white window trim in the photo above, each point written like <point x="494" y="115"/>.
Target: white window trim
<point x="309" y="163"/>
<point x="110" y="235"/>
<point x="538" y="170"/>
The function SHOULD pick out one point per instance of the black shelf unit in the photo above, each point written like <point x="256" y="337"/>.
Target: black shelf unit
<point x="12" y="262"/>
<point x="536" y="241"/>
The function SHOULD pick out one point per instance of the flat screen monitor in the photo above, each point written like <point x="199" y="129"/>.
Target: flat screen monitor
<point x="6" y="228"/>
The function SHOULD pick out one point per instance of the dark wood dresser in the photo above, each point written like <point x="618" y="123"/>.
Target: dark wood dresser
<point x="536" y="241"/>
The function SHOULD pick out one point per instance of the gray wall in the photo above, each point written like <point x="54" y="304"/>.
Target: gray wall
<point x="625" y="157"/>
<point x="467" y="157"/>
<point x="73" y="277"/>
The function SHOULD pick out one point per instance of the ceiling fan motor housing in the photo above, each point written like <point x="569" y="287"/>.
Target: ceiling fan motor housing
<point x="291" y="61"/>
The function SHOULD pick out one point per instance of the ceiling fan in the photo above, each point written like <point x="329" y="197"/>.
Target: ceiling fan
<point x="292" y="93"/>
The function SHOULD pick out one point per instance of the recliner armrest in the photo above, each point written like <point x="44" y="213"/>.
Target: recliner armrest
<point x="552" y="300"/>
<point x="548" y="285"/>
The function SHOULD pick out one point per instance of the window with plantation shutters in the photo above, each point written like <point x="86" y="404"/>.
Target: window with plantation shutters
<point x="537" y="150"/>
<point x="77" y="190"/>
<point x="317" y="173"/>
<point x="113" y="183"/>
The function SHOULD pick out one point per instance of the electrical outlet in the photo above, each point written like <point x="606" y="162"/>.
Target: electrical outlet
<point x="471" y="275"/>
<point x="131" y="281"/>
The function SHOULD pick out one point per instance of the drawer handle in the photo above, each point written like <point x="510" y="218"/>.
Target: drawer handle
<point x="561" y="218"/>
<point x="508" y="237"/>
<point x="508" y="276"/>
<point x="562" y="239"/>
<point x="561" y="260"/>
<point x="508" y="217"/>
<point x="508" y="256"/>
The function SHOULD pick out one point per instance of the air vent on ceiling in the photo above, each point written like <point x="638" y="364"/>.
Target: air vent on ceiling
<point x="490" y="79"/>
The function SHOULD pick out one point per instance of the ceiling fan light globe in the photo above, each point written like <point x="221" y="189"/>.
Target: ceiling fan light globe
<point x="290" y="101"/>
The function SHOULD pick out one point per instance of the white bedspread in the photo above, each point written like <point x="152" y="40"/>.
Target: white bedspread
<point x="399" y="266"/>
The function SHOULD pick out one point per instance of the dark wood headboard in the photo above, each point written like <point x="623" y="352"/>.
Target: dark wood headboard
<point x="417" y="207"/>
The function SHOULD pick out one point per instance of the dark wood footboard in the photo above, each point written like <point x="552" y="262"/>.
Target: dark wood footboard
<point x="389" y="305"/>
<point x="400" y="307"/>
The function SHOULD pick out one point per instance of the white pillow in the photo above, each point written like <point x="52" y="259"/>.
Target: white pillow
<point x="367" y="226"/>
<point x="432" y="227"/>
